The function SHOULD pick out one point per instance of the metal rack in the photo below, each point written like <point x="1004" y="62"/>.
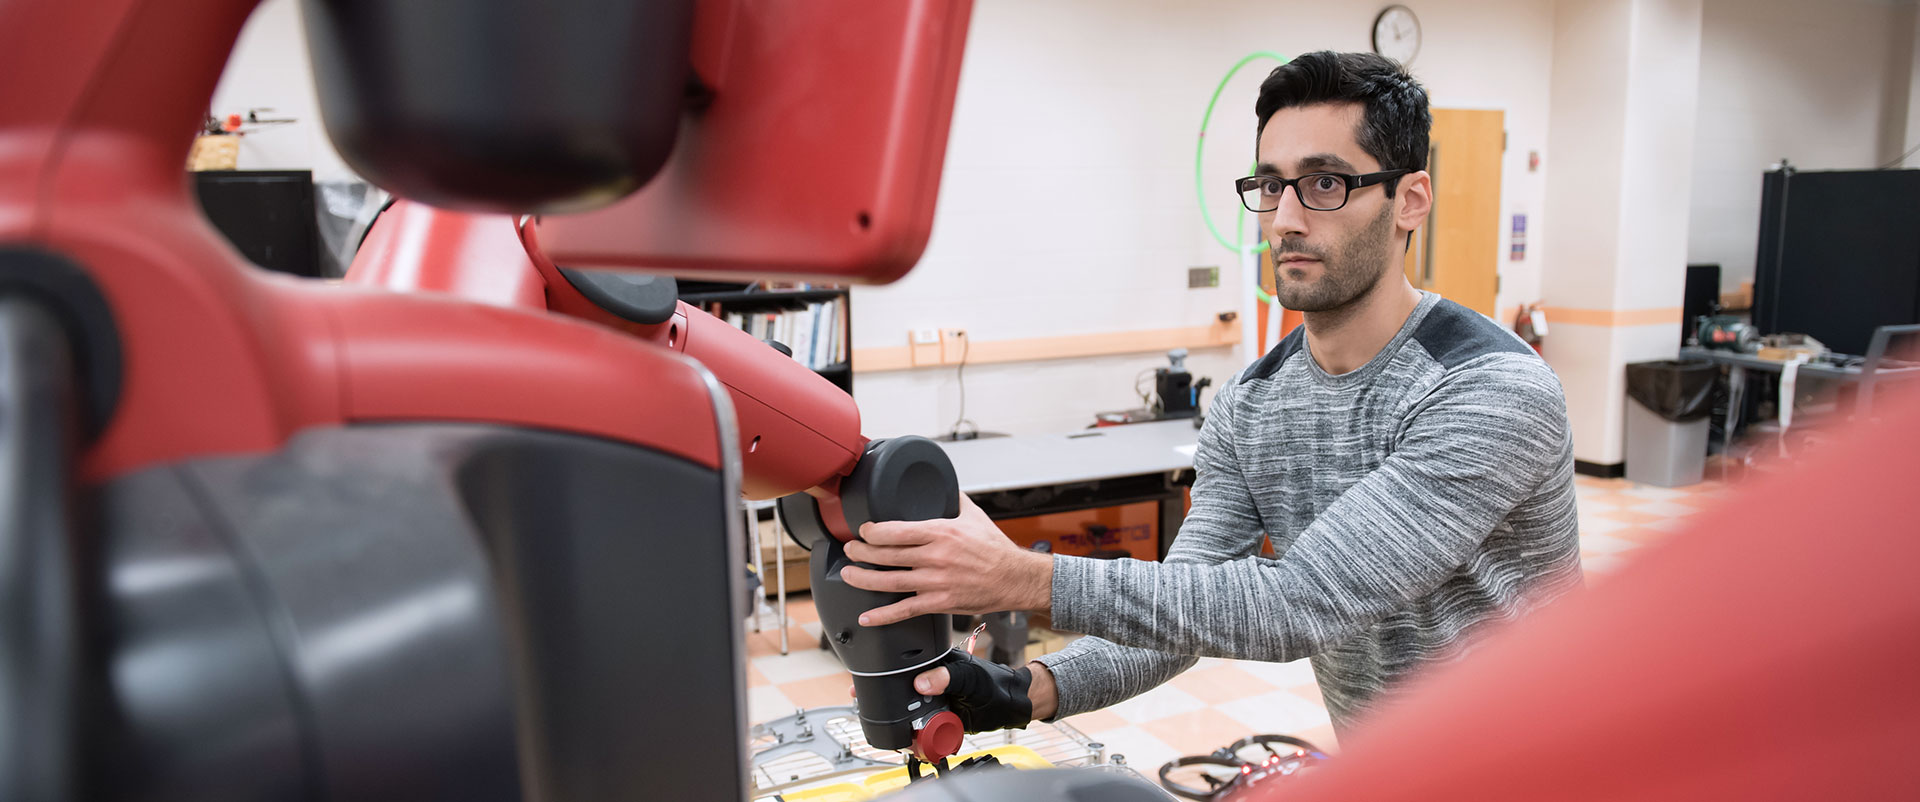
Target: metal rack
<point x="824" y="744"/>
<point x="752" y="511"/>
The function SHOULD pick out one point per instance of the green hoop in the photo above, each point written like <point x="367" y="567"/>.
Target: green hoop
<point x="1199" y="150"/>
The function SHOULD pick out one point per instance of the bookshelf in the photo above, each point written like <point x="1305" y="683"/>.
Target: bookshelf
<point x="816" y="322"/>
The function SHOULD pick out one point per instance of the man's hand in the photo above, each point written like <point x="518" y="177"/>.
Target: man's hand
<point x="1041" y="694"/>
<point x="989" y="699"/>
<point x="954" y="565"/>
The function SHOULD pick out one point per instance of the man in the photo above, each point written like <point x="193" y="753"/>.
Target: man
<point x="1409" y="459"/>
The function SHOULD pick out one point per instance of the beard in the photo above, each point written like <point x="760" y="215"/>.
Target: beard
<point x="1354" y="267"/>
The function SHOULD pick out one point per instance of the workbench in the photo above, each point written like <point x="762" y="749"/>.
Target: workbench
<point x="1025" y="475"/>
<point x="1737" y="365"/>
<point x="1029" y="475"/>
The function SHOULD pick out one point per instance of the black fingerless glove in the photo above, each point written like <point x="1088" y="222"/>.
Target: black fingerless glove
<point x="987" y="696"/>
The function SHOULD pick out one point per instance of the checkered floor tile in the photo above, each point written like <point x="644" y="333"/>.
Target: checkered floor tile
<point x="1219" y="701"/>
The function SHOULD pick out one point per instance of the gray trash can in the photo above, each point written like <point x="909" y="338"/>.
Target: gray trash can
<point x="1669" y="406"/>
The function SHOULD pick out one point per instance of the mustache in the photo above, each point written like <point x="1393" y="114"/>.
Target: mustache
<point x="1288" y="246"/>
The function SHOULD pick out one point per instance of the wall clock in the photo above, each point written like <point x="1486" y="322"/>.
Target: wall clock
<point x="1396" y="34"/>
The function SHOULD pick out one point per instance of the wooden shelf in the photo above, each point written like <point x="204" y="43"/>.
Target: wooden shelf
<point x="769" y="297"/>
<point x="707" y="295"/>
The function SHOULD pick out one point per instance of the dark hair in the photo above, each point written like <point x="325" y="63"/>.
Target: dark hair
<point x="1396" y="120"/>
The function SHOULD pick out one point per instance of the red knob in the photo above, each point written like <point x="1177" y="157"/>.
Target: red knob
<point x="939" y="738"/>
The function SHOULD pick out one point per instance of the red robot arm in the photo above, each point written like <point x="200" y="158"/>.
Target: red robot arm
<point x="798" y="432"/>
<point x="799" y="435"/>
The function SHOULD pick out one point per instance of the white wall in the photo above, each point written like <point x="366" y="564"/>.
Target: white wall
<point x="1824" y="84"/>
<point x="1663" y="99"/>
<point x="1067" y="205"/>
<point x="1897" y="112"/>
<point x="1625" y="90"/>
<point x="1663" y="94"/>
<point x="1911" y="132"/>
<point x="1589" y="81"/>
<point x="269" y="69"/>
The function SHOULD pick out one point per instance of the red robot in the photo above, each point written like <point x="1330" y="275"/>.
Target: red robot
<point x="799" y="434"/>
<point x="263" y="538"/>
<point x="281" y="539"/>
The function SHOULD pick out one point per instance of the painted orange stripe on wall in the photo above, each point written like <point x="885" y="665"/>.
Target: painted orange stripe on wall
<point x="1612" y="317"/>
<point x="904" y="357"/>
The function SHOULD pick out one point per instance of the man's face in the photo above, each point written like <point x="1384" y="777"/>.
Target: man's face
<point x="1325" y="260"/>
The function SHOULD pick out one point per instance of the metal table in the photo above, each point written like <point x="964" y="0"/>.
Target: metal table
<point x="1737" y="365"/>
<point x="1012" y="477"/>
<point x="1015" y="477"/>
<point x="752" y="510"/>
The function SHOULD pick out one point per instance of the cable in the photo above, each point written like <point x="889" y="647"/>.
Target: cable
<point x="388" y="204"/>
<point x="1300" y="747"/>
<point x="1199" y="150"/>
<point x="1903" y="157"/>
<point x="1146" y="396"/>
<point x="1228" y="775"/>
<point x="961" y="376"/>
<point x="1225" y="770"/>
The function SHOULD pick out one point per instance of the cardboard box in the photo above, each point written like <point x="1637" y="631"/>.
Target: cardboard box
<point x="797" y="561"/>
<point x="214" y="152"/>
<point x="1739" y="300"/>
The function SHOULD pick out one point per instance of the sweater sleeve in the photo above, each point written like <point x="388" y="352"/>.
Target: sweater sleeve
<point x="1471" y="449"/>
<point x="1223" y="525"/>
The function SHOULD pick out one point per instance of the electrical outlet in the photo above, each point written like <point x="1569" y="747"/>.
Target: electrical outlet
<point x="923" y="346"/>
<point x="1202" y="277"/>
<point x="953" y="345"/>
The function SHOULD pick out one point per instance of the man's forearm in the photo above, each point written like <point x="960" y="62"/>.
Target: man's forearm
<point x="1041" y="692"/>
<point x="1091" y="674"/>
<point x="1033" y="580"/>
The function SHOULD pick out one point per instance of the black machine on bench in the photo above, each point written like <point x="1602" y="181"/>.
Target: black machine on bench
<point x="1175" y="395"/>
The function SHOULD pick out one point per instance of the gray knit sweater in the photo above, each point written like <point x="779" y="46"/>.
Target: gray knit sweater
<point x="1411" y="502"/>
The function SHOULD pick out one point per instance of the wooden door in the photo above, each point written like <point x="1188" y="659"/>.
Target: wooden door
<point x="1457" y="252"/>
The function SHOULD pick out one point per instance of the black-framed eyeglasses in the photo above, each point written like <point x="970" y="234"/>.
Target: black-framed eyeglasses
<point x="1321" y="192"/>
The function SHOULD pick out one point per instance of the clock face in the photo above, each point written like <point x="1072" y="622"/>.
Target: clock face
<point x="1396" y="34"/>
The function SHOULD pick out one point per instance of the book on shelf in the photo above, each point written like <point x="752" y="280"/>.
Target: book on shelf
<point x="816" y="333"/>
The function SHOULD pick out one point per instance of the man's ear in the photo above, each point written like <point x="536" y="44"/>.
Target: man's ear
<point x="1415" y="201"/>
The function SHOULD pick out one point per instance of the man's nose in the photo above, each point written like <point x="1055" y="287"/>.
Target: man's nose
<point x="1290" y="219"/>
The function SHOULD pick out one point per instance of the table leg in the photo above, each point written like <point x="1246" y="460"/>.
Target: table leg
<point x="759" y="570"/>
<point x="1736" y="402"/>
<point x="1009" y="632"/>
<point x="780" y="574"/>
<point x="1171" y="514"/>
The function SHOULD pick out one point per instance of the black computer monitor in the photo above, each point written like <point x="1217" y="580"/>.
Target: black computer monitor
<point x="1702" y="293"/>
